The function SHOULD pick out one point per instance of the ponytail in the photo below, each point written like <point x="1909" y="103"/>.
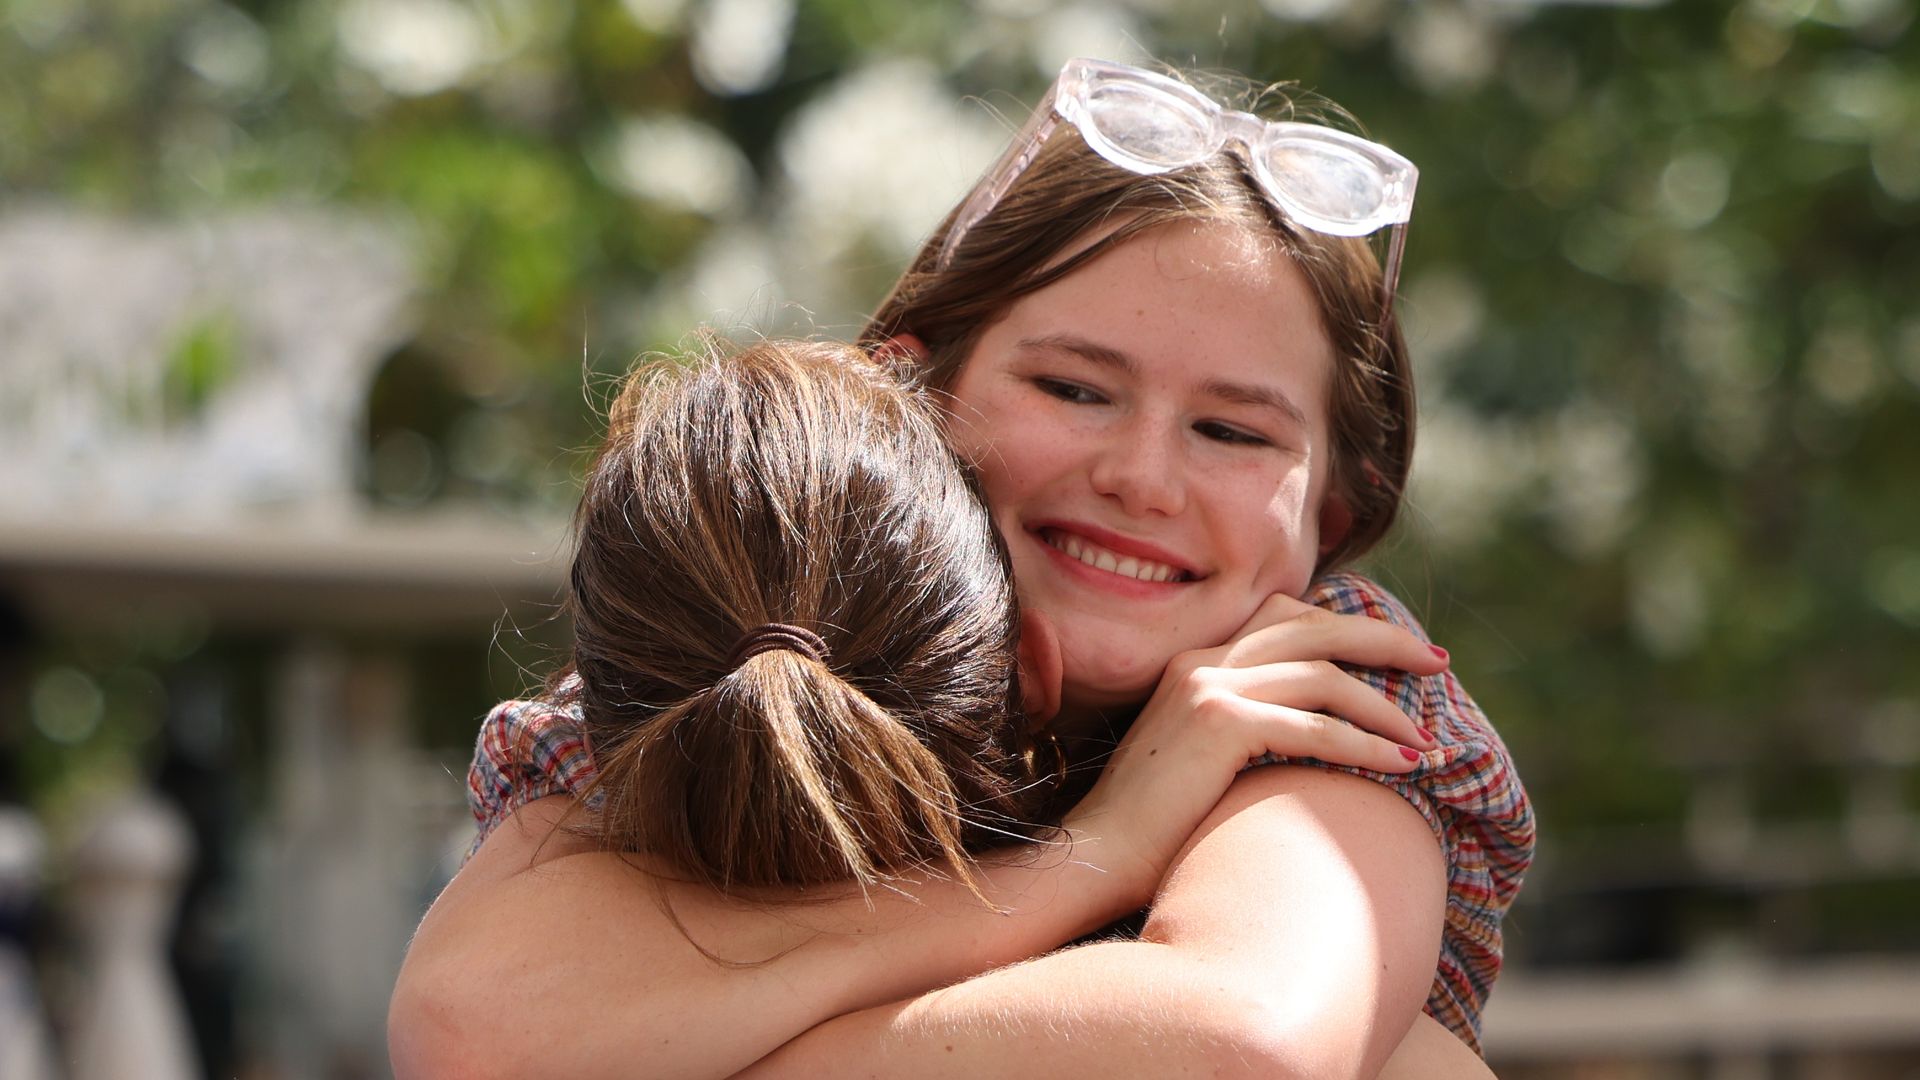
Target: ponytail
<point x="781" y="773"/>
<point x="873" y="726"/>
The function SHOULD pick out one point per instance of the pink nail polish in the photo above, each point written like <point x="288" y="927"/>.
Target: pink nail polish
<point x="1427" y="735"/>
<point x="1438" y="651"/>
<point x="1410" y="753"/>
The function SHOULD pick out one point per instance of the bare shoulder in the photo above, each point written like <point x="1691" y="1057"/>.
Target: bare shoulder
<point x="532" y="835"/>
<point x="1286" y="840"/>
<point x="539" y="929"/>
<point x="1325" y="893"/>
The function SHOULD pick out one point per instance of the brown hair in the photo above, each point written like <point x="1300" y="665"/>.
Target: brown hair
<point x="798" y="483"/>
<point x="1069" y="193"/>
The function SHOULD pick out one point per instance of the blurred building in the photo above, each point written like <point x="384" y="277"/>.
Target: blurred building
<point x="204" y="604"/>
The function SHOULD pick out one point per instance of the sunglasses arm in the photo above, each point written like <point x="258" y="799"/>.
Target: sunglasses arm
<point x="1390" y="277"/>
<point x="994" y="185"/>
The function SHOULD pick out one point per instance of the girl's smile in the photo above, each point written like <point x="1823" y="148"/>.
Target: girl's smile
<point x="1113" y="560"/>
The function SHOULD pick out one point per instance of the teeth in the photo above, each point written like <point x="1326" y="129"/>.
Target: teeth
<point x="1100" y="558"/>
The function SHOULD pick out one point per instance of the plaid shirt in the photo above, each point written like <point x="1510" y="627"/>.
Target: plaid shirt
<point x="527" y="750"/>
<point x="1466" y="789"/>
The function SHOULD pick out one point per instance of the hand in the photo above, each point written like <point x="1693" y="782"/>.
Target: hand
<point x="1274" y="688"/>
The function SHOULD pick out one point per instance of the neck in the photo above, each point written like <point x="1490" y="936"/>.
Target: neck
<point x="1086" y="737"/>
<point x="1075" y="725"/>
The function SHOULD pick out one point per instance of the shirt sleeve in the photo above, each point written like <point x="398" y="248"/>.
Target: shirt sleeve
<point x="1469" y="793"/>
<point x="526" y="750"/>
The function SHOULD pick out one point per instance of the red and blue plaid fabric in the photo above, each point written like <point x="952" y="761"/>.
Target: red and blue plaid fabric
<point x="527" y="750"/>
<point x="1467" y="790"/>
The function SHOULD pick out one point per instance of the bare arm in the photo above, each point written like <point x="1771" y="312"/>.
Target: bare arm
<point x="1431" y="1052"/>
<point x="539" y="959"/>
<point x="1325" y="892"/>
<point x="1295" y="937"/>
<point x="529" y="941"/>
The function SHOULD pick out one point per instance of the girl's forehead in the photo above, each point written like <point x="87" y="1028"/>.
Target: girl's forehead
<point x="1224" y="244"/>
<point x="1189" y="277"/>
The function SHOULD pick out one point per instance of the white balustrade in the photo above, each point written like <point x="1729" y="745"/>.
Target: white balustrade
<point x="127" y="874"/>
<point x="26" y="1049"/>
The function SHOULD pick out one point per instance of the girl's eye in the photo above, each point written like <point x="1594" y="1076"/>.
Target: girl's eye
<point x="1232" y="436"/>
<point x="1071" y="392"/>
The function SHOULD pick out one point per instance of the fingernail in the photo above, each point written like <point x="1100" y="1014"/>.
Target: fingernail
<point x="1438" y="651"/>
<point x="1427" y="735"/>
<point x="1410" y="753"/>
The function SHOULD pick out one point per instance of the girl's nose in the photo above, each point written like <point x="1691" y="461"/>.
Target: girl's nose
<point x="1142" y="467"/>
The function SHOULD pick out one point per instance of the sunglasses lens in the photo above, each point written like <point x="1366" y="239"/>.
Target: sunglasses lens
<point x="1342" y="190"/>
<point x="1152" y="128"/>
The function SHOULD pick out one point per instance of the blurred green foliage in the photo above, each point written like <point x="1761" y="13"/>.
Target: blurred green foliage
<point x="199" y="364"/>
<point x="1660" y="278"/>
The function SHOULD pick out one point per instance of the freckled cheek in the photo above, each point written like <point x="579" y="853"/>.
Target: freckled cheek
<point x="1287" y="510"/>
<point x="1006" y="471"/>
<point x="997" y="473"/>
<point x="1279" y="539"/>
<point x="1014" y="458"/>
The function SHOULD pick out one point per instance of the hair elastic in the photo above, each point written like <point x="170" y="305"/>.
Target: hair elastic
<point x="773" y="635"/>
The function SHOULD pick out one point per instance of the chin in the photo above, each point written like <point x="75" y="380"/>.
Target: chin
<point x="1095" y="681"/>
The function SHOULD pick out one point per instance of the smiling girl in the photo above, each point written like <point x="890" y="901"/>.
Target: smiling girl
<point x="1165" y="335"/>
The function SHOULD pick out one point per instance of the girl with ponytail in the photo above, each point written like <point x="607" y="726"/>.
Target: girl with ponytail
<point x="806" y="715"/>
<point x="793" y="629"/>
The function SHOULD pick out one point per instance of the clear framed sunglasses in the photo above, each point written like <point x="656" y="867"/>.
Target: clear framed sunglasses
<point x="1322" y="178"/>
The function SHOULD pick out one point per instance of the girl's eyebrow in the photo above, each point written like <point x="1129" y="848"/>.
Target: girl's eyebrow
<point x="1092" y="351"/>
<point x="1266" y="397"/>
<point x="1106" y="356"/>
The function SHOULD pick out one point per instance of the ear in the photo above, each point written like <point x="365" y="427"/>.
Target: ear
<point x="1336" y="521"/>
<point x="902" y="350"/>
<point x="1040" y="667"/>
